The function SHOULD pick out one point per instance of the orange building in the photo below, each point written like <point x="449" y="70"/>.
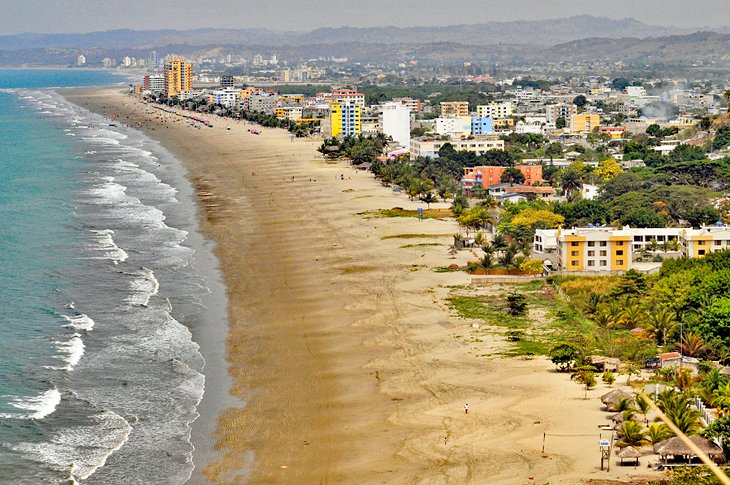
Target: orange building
<point x="490" y="175"/>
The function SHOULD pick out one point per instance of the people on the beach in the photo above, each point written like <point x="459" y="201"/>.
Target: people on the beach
<point x="466" y="408"/>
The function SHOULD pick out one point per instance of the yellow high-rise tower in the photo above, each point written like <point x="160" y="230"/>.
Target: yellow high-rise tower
<point x="178" y="77"/>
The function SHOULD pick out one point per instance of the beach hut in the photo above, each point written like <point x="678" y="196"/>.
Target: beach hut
<point x="679" y="451"/>
<point x="629" y="453"/>
<point x="614" y="397"/>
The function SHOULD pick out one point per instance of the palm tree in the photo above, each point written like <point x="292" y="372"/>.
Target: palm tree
<point x="683" y="380"/>
<point x="661" y="323"/>
<point x="572" y="182"/>
<point x="677" y="408"/>
<point x="656" y="433"/>
<point x="499" y="241"/>
<point x="593" y="302"/>
<point x="643" y="407"/>
<point x="714" y="379"/>
<point x="721" y="396"/>
<point x="604" y="320"/>
<point x="726" y="96"/>
<point x="692" y="345"/>
<point x="624" y="404"/>
<point x="508" y="257"/>
<point x="632" y="315"/>
<point x="632" y="434"/>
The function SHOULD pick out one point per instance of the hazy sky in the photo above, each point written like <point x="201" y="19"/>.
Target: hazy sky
<point x="55" y="16"/>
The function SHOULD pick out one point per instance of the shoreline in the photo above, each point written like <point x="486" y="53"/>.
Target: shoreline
<point x="340" y="343"/>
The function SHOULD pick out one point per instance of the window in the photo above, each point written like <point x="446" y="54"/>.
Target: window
<point x="619" y="262"/>
<point x="603" y="244"/>
<point x="591" y="263"/>
<point x="574" y="253"/>
<point x="619" y="243"/>
<point x="591" y="253"/>
<point x="700" y="243"/>
<point x="718" y="243"/>
<point x="574" y="244"/>
<point x="638" y="238"/>
<point x="603" y="253"/>
<point x="701" y="252"/>
<point x="620" y="252"/>
<point x="591" y="244"/>
<point x="574" y="263"/>
<point x="603" y="263"/>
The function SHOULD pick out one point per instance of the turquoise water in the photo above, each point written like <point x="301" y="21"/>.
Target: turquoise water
<point x="99" y="375"/>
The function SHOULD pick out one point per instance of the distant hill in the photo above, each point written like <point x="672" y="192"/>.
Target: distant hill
<point x="534" y="33"/>
<point x="699" y="46"/>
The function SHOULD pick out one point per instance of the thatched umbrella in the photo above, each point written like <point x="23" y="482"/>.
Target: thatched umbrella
<point x="618" y="418"/>
<point x="676" y="447"/>
<point x="614" y="397"/>
<point x="629" y="453"/>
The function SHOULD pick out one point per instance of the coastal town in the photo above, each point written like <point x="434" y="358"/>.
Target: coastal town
<point x="608" y="191"/>
<point x="370" y="252"/>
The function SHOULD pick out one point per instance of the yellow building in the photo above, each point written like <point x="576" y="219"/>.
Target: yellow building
<point x="584" y="122"/>
<point x="454" y="108"/>
<point x="699" y="242"/>
<point x="346" y="119"/>
<point x="503" y="123"/>
<point x="178" y="77"/>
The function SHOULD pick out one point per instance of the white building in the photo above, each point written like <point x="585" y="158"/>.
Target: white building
<point x="636" y="91"/>
<point x="455" y="126"/>
<point x="396" y="123"/>
<point x="81" y="60"/>
<point x="495" y="110"/>
<point x="227" y="97"/>
<point x="429" y="147"/>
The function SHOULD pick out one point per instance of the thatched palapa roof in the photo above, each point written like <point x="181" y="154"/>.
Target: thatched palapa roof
<point x="629" y="452"/>
<point x="676" y="447"/>
<point x="614" y="397"/>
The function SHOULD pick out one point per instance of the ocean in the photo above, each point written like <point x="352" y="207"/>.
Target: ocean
<point x="101" y="294"/>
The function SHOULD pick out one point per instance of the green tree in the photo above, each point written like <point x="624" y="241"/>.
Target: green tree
<point x="517" y="303"/>
<point x="586" y="378"/>
<point x="656" y="433"/>
<point x="631" y="434"/>
<point x="512" y="175"/>
<point x="580" y="101"/>
<point x="560" y="122"/>
<point x="565" y="356"/>
<point x="660" y="324"/>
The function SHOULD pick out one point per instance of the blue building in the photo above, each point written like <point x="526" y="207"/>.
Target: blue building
<point x="482" y="126"/>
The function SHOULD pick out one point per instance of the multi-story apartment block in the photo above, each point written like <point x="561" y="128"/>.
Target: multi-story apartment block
<point x="482" y="126"/>
<point x="602" y="249"/>
<point x="563" y="110"/>
<point x="154" y="82"/>
<point x="293" y="113"/>
<point x="414" y="105"/>
<point x="495" y="110"/>
<point x="227" y="97"/>
<point x="429" y="147"/>
<point x="453" y="126"/>
<point x="584" y="122"/>
<point x="395" y="121"/>
<point x="178" y="77"/>
<point x="454" y="108"/>
<point x="227" y="81"/>
<point x="345" y="118"/>
<point x="261" y="101"/>
<point x="491" y="175"/>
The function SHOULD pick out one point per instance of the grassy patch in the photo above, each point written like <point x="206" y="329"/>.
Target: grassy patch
<point x="415" y="236"/>
<point x="420" y="245"/>
<point x="400" y="212"/>
<point x="487" y="309"/>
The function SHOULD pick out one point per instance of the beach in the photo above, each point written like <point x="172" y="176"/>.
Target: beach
<point x="346" y="364"/>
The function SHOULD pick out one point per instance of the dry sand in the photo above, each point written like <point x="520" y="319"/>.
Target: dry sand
<point x="342" y="350"/>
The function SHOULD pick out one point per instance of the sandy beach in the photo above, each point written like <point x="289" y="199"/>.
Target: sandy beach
<point x="346" y="364"/>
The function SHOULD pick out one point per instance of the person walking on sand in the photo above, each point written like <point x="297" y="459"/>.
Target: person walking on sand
<point x="466" y="408"/>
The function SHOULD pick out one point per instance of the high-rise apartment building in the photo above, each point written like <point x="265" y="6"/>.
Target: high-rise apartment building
<point x="178" y="77"/>
<point x="346" y="119"/>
